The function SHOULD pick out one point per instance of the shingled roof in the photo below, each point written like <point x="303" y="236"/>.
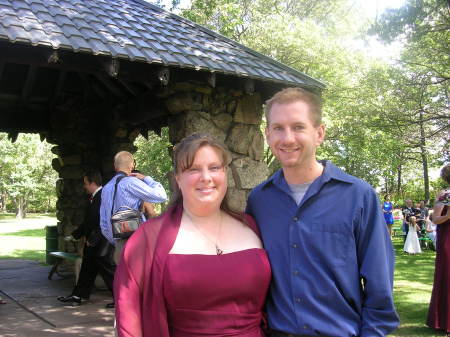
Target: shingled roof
<point x="137" y="31"/>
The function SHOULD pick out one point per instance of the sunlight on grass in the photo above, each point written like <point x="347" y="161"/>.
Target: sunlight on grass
<point x="25" y="254"/>
<point x="40" y="233"/>
<point x="412" y="291"/>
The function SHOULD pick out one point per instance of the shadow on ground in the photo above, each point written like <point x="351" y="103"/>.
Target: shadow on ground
<point x="33" y="310"/>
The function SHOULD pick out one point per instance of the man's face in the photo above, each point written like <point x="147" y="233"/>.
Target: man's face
<point x="422" y="204"/>
<point x="88" y="186"/>
<point x="292" y="136"/>
<point x="408" y="203"/>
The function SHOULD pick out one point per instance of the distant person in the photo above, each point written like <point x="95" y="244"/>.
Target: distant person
<point x="439" y="310"/>
<point x="431" y="230"/>
<point x="199" y="269"/>
<point x="332" y="258"/>
<point x="132" y="190"/>
<point x="147" y="208"/>
<point x="407" y="211"/>
<point x="98" y="252"/>
<point x="387" y="212"/>
<point x="412" y="244"/>
<point x="422" y="220"/>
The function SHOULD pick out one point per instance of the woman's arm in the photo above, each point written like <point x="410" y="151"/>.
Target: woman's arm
<point x="438" y="217"/>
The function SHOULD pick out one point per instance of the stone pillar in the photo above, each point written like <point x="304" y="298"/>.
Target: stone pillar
<point x="84" y="141"/>
<point x="230" y="116"/>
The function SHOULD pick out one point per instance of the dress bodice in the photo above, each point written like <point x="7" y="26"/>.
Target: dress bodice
<point x="387" y="206"/>
<point x="216" y="295"/>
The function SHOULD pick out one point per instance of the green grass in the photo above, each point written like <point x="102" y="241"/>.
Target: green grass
<point x="412" y="291"/>
<point x="24" y="238"/>
<point x="4" y="216"/>
<point x="39" y="233"/>
<point x="26" y="254"/>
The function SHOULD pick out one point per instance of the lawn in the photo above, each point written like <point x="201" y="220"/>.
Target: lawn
<point x="412" y="290"/>
<point x="25" y="239"/>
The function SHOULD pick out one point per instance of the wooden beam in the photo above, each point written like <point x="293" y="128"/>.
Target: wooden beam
<point x="29" y="82"/>
<point x="129" y="86"/>
<point x="110" y="85"/>
<point x="59" y="85"/>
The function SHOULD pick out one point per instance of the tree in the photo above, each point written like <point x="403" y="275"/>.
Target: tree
<point x="26" y="174"/>
<point x="152" y="156"/>
<point x="382" y="120"/>
<point x="423" y="75"/>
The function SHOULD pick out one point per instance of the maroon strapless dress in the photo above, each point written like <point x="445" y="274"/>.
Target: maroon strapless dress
<point x="439" y="310"/>
<point x="216" y="295"/>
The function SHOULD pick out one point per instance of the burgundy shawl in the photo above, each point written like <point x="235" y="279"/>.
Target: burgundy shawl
<point x="138" y="282"/>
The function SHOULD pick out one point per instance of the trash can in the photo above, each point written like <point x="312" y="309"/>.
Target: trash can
<point x="51" y="243"/>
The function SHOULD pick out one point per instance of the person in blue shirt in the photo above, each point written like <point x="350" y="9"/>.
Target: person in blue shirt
<point x="131" y="191"/>
<point x="332" y="258"/>
<point x="387" y="212"/>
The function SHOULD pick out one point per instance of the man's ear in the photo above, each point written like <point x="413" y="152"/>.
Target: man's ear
<point x="320" y="134"/>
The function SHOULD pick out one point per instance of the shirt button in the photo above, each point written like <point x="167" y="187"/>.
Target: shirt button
<point x="295" y="218"/>
<point x="298" y="300"/>
<point x="294" y="245"/>
<point x="305" y="327"/>
<point x="295" y="272"/>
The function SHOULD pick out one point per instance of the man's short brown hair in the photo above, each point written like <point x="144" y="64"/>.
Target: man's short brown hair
<point x="290" y="95"/>
<point x="445" y="173"/>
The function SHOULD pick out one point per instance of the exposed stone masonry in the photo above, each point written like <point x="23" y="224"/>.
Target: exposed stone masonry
<point x="88" y="138"/>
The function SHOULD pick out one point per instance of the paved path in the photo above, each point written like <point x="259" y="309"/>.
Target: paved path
<point x="33" y="310"/>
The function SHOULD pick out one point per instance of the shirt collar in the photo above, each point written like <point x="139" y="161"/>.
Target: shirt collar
<point x="95" y="192"/>
<point x="330" y="172"/>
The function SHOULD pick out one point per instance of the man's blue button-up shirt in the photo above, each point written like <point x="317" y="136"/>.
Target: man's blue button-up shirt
<point x="131" y="192"/>
<point x="331" y="256"/>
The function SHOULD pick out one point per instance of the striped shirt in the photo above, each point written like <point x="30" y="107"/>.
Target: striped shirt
<point x="131" y="191"/>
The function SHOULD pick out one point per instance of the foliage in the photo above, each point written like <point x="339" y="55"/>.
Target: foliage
<point x="27" y="178"/>
<point x="419" y="88"/>
<point x="152" y="156"/>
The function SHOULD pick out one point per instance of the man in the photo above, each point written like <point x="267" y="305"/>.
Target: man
<point x="97" y="255"/>
<point x="132" y="190"/>
<point x="331" y="255"/>
<point x="408" y="211"/>
<point x="423" y="209"/>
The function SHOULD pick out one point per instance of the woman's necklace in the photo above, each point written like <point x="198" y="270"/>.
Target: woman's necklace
<point x="214" y="242"/>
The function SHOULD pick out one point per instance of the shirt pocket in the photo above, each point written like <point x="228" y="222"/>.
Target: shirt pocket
<point x="334" y="241"/>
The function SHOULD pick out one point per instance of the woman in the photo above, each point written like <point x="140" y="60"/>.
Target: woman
<point x="387" y="212"/>
<point x="439" y="310"/>
<point x="412" y="244"/>
<point x="199" y="269"/>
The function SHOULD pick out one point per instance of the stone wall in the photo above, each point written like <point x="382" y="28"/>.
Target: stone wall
<point x="231" y="116"/>
<point x="86" y="139"/>
<point x="89" y="138"/>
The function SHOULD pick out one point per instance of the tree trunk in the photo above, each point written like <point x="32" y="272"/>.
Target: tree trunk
<point x="424" y="157"/>
<point x="21" y="205"/>
<point x="399" y="179"/>
<point x="4" y="199"/>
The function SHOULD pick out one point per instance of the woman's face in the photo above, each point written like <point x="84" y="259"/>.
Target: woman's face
<point x="205" y="182"/>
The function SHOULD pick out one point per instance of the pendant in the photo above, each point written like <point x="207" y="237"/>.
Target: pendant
<point x="219" y="251"/>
